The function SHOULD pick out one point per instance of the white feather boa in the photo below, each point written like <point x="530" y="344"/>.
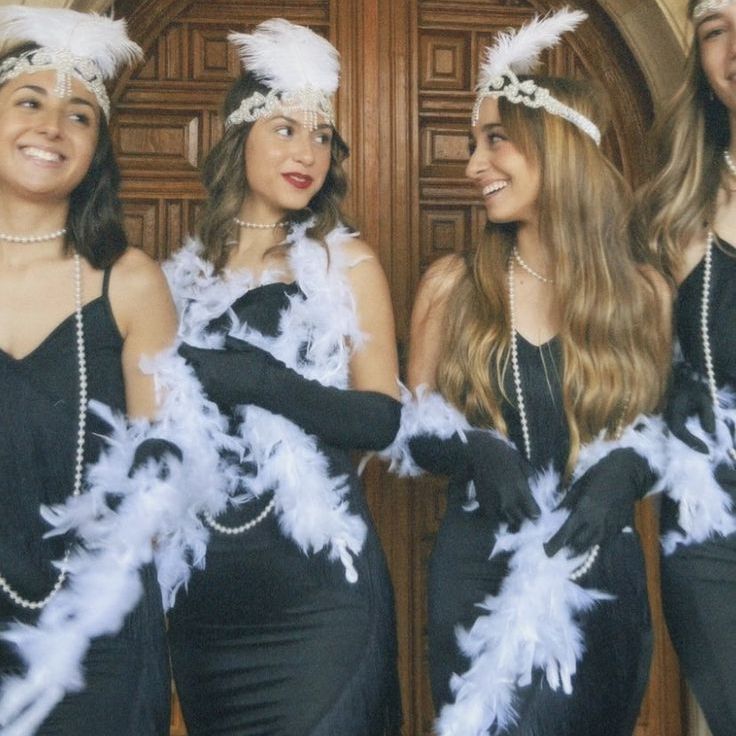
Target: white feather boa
<point x="531" y="624"/>
<point x="317" y="334"/>
<point x="705" y="510"/>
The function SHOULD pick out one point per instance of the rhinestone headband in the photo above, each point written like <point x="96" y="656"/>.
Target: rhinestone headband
<point x="708" y="6"/>
<point x="66" y="64"/>
<point x="313" y="102"/>
<point x="530" y="94"/>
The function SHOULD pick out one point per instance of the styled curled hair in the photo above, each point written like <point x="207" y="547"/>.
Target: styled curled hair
<point x="95" y="219"/>
<point x="224" y="177"/>
<point x="678" y="200"/>
<point x="614" y="357"/>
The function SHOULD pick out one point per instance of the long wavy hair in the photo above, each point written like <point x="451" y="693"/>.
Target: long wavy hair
<point x="224" y="177"/>
<point x="615" y="358"/>
<point x="95" y="219"/>
<point x="679" y="199"/>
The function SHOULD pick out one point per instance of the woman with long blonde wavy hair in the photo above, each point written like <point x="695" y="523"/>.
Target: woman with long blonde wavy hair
<point x="543" y="350"/>
<point x="686" y="225"/>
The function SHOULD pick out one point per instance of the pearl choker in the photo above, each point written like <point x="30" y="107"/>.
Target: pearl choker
<point x="729" y="163"/>
<point x="528" y="268"/>
<point x="33" y="238"/>
<point x="257" y="225"/>
<point x="590" y="558"/>
<point x="5" y="586"/>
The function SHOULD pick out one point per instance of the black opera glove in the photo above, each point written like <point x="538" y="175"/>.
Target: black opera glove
<point x="246" y="374"/>
<point x="688" y="396"/>
<point x="725" y="475"/>
<point x="601" y="501"/>
<point x="497" y="469"/>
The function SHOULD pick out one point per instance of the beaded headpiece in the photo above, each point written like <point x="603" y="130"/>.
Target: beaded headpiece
<point x="709" y="6"/>
<point x="517" y="52"/>
<point x="301" y="69"/>
<point x="88" y="47"/>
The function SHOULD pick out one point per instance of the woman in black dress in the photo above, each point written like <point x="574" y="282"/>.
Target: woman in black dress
<point x="688" y="229"/>
<point x="289" y="628"/>
<point x="536" y="346"/>
<point x="78" y="310"/>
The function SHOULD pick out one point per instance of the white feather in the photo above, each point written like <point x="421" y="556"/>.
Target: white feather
<point x="289" y="57"/>
<point x="85" y="35"/>
<point x="520" y="50"/>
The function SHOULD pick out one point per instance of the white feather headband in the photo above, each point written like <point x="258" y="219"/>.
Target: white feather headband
<point x="301" y="69"/>
<point x="518" y="52"/>
<point x="88" y="47"/>
<point x="709" y="6"/>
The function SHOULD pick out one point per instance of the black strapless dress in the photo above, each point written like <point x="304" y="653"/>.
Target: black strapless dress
<point x="127" y="676"/>
<point x="269" y="641"/>
<point x="611" y="678"/>
<point x="699" y="580"/>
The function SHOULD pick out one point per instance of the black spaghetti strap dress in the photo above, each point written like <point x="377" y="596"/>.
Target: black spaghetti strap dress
<point x="611" y="678"/>
<point x="699" y="580"/>
<point x="270" y="641"/>
<point x="127" y="676"/>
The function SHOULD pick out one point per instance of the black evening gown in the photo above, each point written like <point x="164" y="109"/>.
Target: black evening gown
<point x="270" y="641"/>
<point x="611" y="678"/>
<point x="699" y="580"/>
<point x="127" y="676"/>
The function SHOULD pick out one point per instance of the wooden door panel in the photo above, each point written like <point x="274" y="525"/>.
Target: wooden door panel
<point x="409" y="69"/>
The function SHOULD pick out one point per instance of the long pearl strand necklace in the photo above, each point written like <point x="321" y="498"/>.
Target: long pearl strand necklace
<point x="5" y="586"/>
<point x="33" y="238"/>
<point x="528" y="268"/>
<point x="704" y="333"/>
<point x="592" y="555"/>
<point x="233" y="530"/>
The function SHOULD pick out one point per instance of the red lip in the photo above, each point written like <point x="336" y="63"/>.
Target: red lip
<point x="300" y="181"/>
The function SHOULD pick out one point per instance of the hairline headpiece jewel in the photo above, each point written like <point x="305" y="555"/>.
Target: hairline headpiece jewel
<point x="86" y="46"/>
<point x="517" y="52"/>
<point x="707" y="6"/>
<point x="300" y="68"/>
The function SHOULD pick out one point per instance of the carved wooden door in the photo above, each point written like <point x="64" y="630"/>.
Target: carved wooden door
<point x="408" y="75"/>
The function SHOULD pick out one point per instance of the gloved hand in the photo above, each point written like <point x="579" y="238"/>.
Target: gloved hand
<point x="601" y="501"/>
<point x="688" y="396"/>
<point x="497" y="469"/>
<point x="246" y="374"/>
<point x="158" y="451"/>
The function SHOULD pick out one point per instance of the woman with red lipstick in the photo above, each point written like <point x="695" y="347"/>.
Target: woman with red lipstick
<point x="286" y="320"/>
<point x="688" y="229"/>
<point x="78" y="310"/>
<point x="529" y="364"/>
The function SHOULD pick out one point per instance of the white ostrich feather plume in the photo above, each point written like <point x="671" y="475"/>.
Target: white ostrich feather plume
<point x="84" y="35"/>
<point x="289" y="57"/>
<point x="520" y="50"/>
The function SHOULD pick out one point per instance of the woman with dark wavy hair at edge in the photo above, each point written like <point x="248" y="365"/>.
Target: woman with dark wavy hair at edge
<point x="78" y="310"/>
<point x="286" y="319"/>
<point x="686" y="226"/>
<point x="534" y="376"/>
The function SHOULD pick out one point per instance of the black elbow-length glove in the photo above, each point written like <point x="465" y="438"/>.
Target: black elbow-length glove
<point x="246" y="374"/>
<point x="688" y="396"/>
<point x="601" y="501"/>
<point x="497" y="469"/>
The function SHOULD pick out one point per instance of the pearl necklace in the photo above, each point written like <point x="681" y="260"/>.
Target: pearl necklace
<point x="704" y="334"/>
<point x="590" y="559"/>
<point x="528" y="268"/>
<point x="257" y="225"/>
<point x="33" y="238"/>
<point x="729" y="162"/>
<point x="5" y="586"/>
<point x="233" y="530"/>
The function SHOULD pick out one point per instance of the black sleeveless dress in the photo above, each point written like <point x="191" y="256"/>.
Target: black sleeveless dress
<point x="269" y="641"/>
<point x="699" y="580"/>
<point x="127" y="676"/>
<point x="611" y="678"/>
